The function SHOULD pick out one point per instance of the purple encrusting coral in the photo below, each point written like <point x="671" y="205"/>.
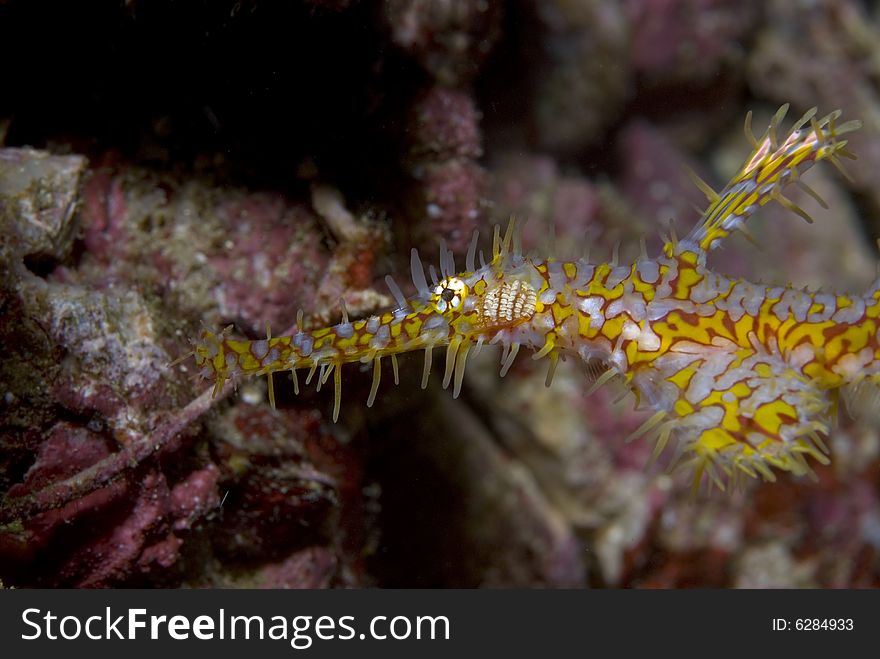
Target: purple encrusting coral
<point x="190" y="190"/>
<point x="448" y="185"/>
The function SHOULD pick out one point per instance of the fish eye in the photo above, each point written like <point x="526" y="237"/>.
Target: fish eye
<point x="449" y="294"/>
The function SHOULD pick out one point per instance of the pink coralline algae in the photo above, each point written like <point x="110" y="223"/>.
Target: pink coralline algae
<point x="114" y="491"/>
<point x="449" y="185"/>
<point x="271" y="252"/>
<point x="688" y="40"/>
<point x="654" y="179"/>
<point x="445" y="125"/>
<point x="194" y="497"/>
<point x="140" y="508"/>
<point x="452" y="199"/>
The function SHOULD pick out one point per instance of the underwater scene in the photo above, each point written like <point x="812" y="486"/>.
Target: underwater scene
<point x="440" y="293"/>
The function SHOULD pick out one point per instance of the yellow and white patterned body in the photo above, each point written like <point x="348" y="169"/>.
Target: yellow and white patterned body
<point x="744" y="377"/>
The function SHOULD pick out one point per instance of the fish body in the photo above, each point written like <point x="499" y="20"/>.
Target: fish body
<point x="743" y="377"/>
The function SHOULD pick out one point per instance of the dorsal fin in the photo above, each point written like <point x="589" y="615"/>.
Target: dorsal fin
<point x="776" y="160"/>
